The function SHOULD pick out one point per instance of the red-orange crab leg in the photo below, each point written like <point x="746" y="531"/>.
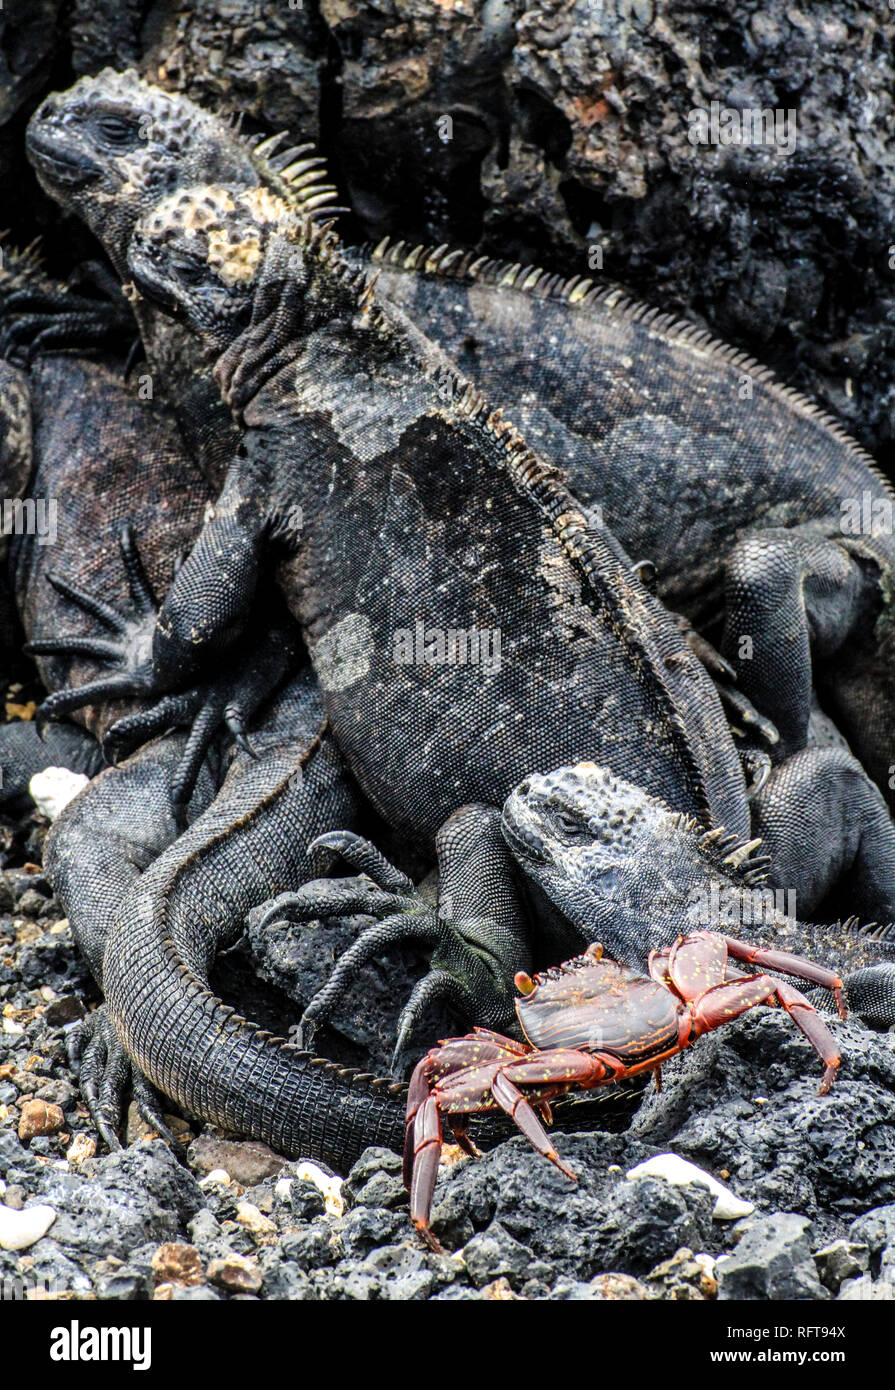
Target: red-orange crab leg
<point x="789" y="965"/>
<point x="555" y="1071"/>
<point x="417" y="1094"/>
<point x="427" y="1153"/>
<point x="806" y="1018"/>
<point x="727" y="1001"/>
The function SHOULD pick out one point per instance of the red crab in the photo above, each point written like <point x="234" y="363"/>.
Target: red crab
<point x="589" y="1022"/>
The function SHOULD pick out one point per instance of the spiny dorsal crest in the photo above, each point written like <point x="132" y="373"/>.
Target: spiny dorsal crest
<point x="297" y="174"/>
<point x="734" y="855"/>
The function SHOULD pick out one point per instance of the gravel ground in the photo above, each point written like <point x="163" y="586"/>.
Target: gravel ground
<point x="237" y="1221"/>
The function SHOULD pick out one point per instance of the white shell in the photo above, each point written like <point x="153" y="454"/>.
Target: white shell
<point x="54" y="788"/>
<point x="19" y="1229"/>
<point x="331" y="1187"/>
<point x="676" y="1170"/>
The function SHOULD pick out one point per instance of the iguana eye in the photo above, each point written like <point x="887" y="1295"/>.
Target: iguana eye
<point x="189" y="272"/>
<point x="572" y="825"/>
<point x="116" y="130"/>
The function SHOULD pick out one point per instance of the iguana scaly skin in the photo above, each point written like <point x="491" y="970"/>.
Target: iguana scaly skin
<point x="744" y="495"/>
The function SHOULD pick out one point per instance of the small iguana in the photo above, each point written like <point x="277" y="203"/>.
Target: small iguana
<point x="580" y="855"/>
<point x="744" y="495"/>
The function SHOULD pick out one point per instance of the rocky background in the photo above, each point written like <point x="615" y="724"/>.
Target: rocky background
<point x="555" y="133"/>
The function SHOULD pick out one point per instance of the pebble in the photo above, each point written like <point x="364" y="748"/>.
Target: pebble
<point x="246" y="1162"/>
<point x="676" y="1170"/>
<point x="38" y="1117"/>
<point x="21" y="1229"/>
<point x="52" y="789"/>
<point x="235" y="1274"/>
<point x="328" y="1183"/>
<point x="177" y="1263"/>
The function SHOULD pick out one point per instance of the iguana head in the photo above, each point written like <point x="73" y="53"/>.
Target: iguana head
<point x="112" y="145"/>
<point x="216" y="257"/>
<point x="620" y="865"/>
<point x="198" y="254"/>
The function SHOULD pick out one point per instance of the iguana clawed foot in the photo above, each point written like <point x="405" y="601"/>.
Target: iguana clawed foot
<point x="40" y="316"/>
<point x="462" y="975"/>
<point x="227" y="700"/>
<point x="105" y="1071"/>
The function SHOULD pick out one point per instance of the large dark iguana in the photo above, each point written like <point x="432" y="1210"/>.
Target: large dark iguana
<point x="697" y="459"/>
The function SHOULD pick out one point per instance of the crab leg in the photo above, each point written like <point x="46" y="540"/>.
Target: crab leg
<point x="417" y="1094"/>
<point x="726" y="1001"/>
<point x="511" y="1099"/>
<point x="426" y="1156"/>
<point x="789" y="965"/>
<point x="806" y="1018"/>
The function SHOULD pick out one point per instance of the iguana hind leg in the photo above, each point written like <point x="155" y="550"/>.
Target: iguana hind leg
<point x="826" y="827"/>
<point x="804" y="608"/>
<point x="105" y="1072"/>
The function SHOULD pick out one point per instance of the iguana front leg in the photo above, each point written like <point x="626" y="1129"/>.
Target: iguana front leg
<point x="154" y="656"/>
<point x="477" y="935"/>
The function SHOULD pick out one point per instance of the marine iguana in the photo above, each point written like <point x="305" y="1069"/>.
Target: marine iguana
<point x="625" y="869"/>
<point x="686" y="445"/>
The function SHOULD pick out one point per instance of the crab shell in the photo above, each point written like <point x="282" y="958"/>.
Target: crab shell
<point x="599" y="1005"/>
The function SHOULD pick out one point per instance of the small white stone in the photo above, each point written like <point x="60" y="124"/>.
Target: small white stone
<point x="54" y="788"/>
<point x="330" y="1186"/>
<point x="218" y="1177"/>
<point x="283" y="1189"/>
<point x="676" y="1170"/>
<point x="19" y="1229"/>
